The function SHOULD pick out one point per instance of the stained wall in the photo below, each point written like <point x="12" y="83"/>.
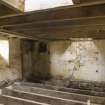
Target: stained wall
<point x="78" y="60"/>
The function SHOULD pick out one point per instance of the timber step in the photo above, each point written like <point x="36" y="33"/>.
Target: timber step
<point x="60" y="94"/>
<point x="63" y="89"/>
<point x="41" y="98"/>
<point x="10" y="100"/>
<point x="24" y="93"/>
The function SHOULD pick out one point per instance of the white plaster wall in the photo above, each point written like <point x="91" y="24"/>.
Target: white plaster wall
<point x="80" y="60"/>
<point x="31" y="5"/>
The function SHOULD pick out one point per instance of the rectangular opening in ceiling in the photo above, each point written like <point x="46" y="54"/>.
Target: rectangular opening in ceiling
<point x="31" y="5"/>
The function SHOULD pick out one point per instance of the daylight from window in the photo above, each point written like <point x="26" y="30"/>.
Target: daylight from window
<point x="4" y="50"/>
<point x="31" y="5"/>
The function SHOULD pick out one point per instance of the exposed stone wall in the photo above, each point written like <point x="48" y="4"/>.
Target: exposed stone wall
<point x="78" y="60"/>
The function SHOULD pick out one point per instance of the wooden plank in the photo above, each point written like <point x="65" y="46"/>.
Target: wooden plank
<point x="64" y="32"/>
<point x="57" y="23"/>
<point x="92" y="27"/>
<point x="42" y="98"/>
<point x="63" y="89"/>
<point x="64" y="95"/>
<point x="9" y="100"/>
<point x="90" y="31"/>
<point x="65" y="12"/>
<point x="6" y="9"/>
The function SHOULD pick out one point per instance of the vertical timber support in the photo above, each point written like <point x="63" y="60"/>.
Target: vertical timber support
<point x="15" y="57"/>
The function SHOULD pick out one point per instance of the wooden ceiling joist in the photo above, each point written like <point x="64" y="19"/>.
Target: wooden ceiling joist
<point x="81" y="32"/>
<point x="65" y="12"/>
<point x="92" y="27"/>
<point x="8" y="34"/>
<point x="77" y="21"/>
<point x="57" y="23"/>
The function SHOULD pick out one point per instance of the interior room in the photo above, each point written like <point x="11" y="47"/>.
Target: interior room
<point x="52" y="52"/>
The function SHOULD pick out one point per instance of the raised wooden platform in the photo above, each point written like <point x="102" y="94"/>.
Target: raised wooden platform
<point x="41" y="94"/>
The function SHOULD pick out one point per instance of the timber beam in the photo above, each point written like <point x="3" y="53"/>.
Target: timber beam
<point x="93" y="27"/>
<point x="9" y="34"/>
<point x="65" y="12"/>
<point x="7" y="9"/>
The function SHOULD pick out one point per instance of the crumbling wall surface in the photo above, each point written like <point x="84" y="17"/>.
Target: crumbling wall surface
<point x="11" y="70"/>
<point x="78" y="60"/>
